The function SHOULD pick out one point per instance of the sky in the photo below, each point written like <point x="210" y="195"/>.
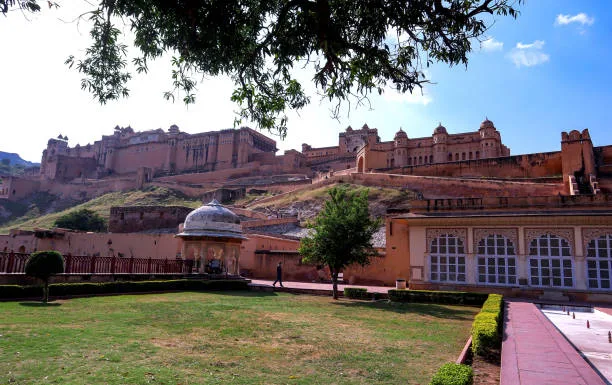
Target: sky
<point x="546" y="72"/>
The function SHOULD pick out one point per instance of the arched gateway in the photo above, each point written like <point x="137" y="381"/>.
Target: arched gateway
<point x="211" y="238"/>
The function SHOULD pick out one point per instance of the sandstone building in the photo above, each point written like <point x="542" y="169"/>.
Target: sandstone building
<point x="173" y="152"/>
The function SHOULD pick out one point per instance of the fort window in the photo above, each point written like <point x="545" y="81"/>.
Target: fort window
<point x="477" y="154"/>
<point x="390" y="227"/>
<point x="447" y="259"/>
<point x="599" y="262"/>
<point x="456" y="156"/>
<point x="430" y="158"/>
<point x="496" y="261"/>
<point x="470" y="155"/>
<point x="463" y="156"/>
<point x="550" y="262"/>
<point x="450" y="156"/>
<point x="420" y="160"/>
<point x="122" y="216"/>
<point x="141" y="216"/>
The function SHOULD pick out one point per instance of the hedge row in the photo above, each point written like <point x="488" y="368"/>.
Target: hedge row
<point x="357" y="293"/>
<point x="87" y="288"/>
<point x="453" y="374"/>
<point x="487" y="325"/>
<point x="445" y="297"/>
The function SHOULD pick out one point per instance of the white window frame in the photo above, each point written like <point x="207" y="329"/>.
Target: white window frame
<point x="502" y="250"/>
<point x="562" y="253"/>
<point x="452" y="251"/>
<point x="595" y="254"/>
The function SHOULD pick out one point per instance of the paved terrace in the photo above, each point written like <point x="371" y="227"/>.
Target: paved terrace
<point x="534" y="352"/>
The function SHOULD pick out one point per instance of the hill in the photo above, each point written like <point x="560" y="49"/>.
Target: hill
<point x="36" y="216"/>
<point x="13" y="164"/>
<point x="304" y="202"/>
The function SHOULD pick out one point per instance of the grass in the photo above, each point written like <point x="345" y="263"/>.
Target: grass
<point x="155" y="196"/>
<point x="227" y="338"/>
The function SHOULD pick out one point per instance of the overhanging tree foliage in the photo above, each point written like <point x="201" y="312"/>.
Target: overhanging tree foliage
<point x="43" y="265"/>
<point x="352" y="47"/>
<point x="83" y="220"/>
<point x="342" y="233"/>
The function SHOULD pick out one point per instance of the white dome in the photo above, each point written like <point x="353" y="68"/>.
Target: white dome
<point x="212" y="220"/>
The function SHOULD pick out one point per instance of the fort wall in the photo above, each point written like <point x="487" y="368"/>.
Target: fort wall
<point x="142" y="218"/>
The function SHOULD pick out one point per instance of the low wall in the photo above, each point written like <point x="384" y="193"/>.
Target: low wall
<point x="518" y="166"/>
<point x="437" y="187"/>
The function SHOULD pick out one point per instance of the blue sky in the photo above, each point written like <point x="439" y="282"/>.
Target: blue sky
<point x="541" y="74"/>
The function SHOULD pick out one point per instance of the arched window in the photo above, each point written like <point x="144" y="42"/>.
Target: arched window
<point x="599" y="262"/>
<point x="477" y="154"/>
<point x="450" y="157"/>
<point x="456" y="156"/>
<point x="550" y="262"/>
<point x="420" y="160"/>
<point x="430" y="158"/>
<point x="463" y="156"/>
<point x="447" y="259"/>
<point x="496" y="260"/>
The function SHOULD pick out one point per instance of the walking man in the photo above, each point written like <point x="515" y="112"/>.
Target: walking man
<point x="279" y="275"/>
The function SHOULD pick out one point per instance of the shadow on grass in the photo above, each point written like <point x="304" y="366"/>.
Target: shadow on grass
<point x="238" y="293"/>
<point x="40" y="304"/>
<point x="431" y="309"/>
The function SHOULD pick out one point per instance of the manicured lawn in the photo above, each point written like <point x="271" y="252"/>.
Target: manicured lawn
<point x="227" y="338"/>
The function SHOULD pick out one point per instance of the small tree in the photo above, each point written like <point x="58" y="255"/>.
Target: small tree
<point x="343" y="233"/>
<point x="84" y="220"/>
<point x="43" y="265"/>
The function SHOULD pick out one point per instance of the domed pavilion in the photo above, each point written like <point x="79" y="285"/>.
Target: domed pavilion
<point x="211" y="238"/>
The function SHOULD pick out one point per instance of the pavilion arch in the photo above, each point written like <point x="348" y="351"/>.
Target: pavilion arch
<point x="599" y="262"/>
<point x="550" y="262"/>
<point x="496" y="261"/>
<point x="447" y="259"/>
<point x="360" y="164"/>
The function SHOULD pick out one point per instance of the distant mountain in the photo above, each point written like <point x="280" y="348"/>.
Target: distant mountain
<point x="15" y="160"/>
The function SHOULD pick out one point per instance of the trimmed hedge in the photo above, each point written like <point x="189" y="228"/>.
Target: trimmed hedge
<point x="357" y="293"/>
<point x="445" y="297"/>
<point x="487" y="325"/>
<point x="453" y="374"/>
<point x="89" y="288"/>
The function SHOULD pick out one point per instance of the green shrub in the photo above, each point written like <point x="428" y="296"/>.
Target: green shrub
<point x="493" y="305"/>
<point x="91" y="288"/>
<point x="43" y="265"/>
<point x="484" y="333"/>
<point x="357" y="293"/>
<point x="487" y="326"/>
<point x="453" y="374"/>
<point x="444" y="297"/>
<point x="83" y="220"/>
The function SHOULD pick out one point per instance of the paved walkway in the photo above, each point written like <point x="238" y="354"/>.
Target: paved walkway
<point x="534" y="352"/>
<point x="315" y="286"/>
<point x="592" y="342"/>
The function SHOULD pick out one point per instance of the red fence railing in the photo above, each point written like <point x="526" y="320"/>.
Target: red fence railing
<point x="14" y="263"/>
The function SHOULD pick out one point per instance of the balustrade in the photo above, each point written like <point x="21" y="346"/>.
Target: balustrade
<point x="14" y="263"/>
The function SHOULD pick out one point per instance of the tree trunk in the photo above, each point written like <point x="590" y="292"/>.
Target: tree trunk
<point x="335" y="283"/>
<point x="46" y="291"/>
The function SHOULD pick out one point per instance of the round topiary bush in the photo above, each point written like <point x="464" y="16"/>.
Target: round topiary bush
<point x="43" y="265"/>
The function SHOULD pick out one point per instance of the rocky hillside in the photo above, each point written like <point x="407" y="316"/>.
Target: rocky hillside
<point x="13" y="164"/>
<point x="41" y="210"/>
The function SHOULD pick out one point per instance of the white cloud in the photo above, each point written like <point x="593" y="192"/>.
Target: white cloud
<point x="581" y="18"/>
<point x="418" y="96"/>
<point x="491" y="45"/>
<point x="538" y="44"/>
<point x="528" y="55"/>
